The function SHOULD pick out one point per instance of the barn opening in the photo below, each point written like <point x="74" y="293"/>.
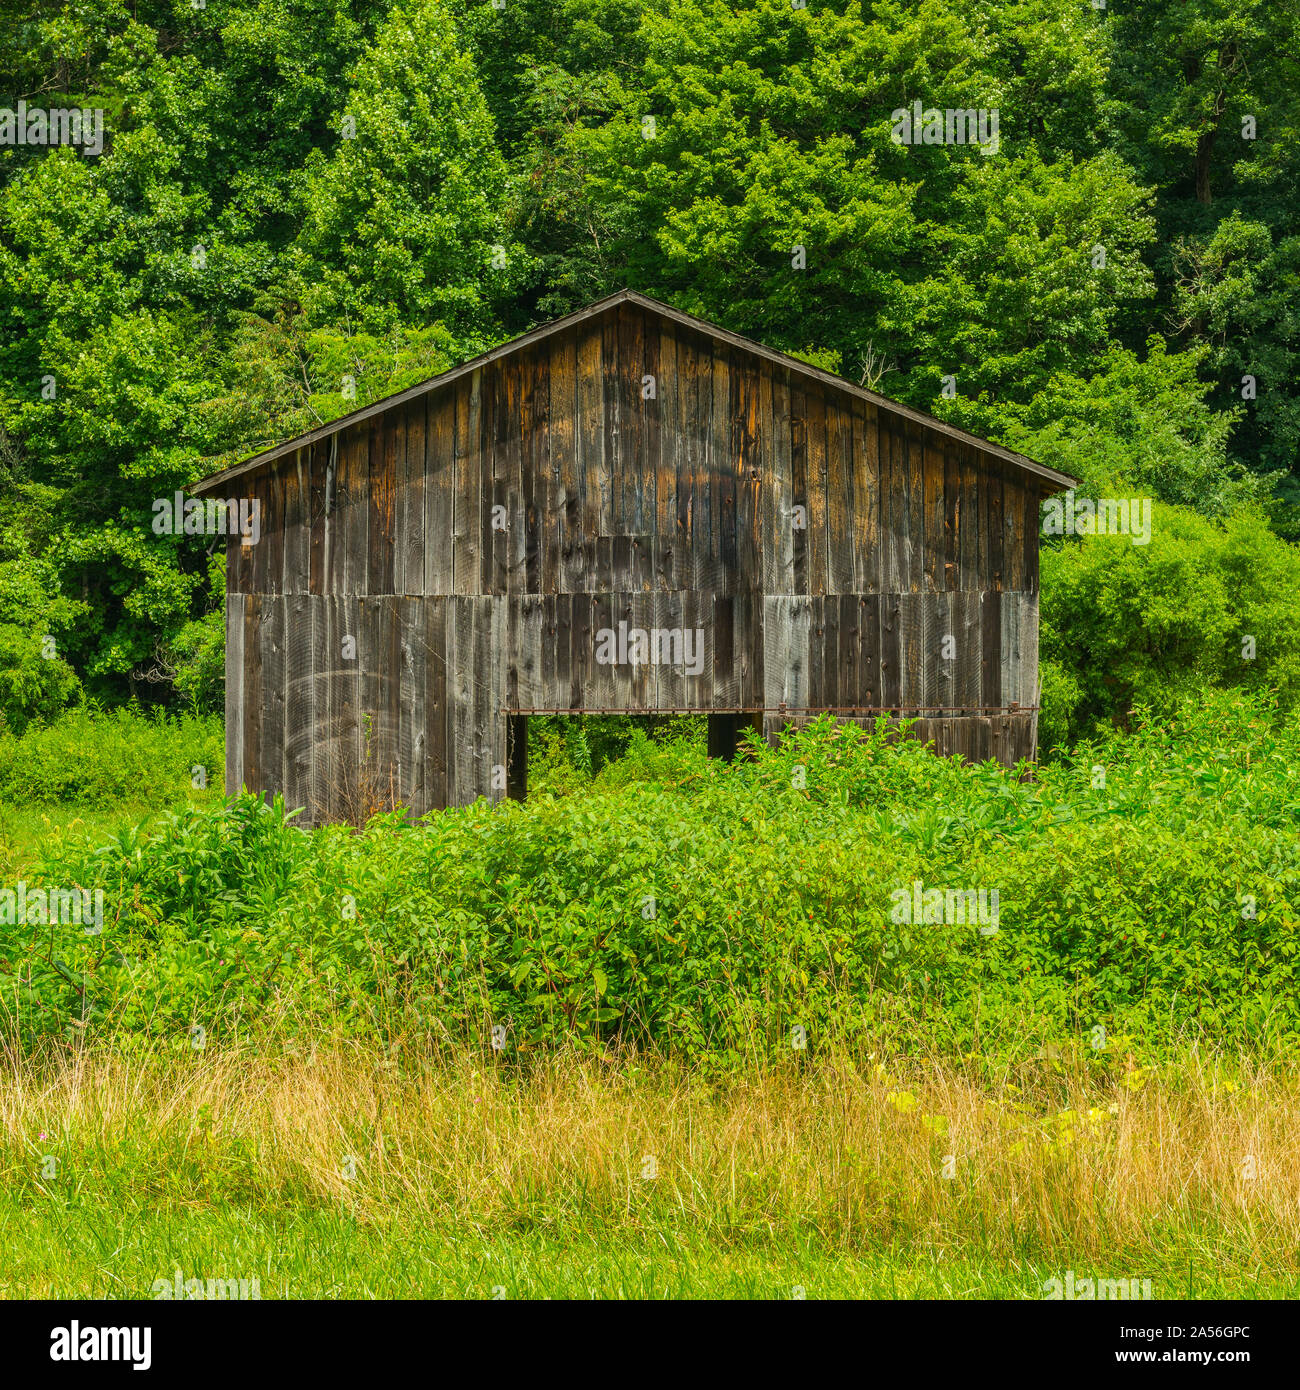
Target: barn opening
<point x="590" y="742"/>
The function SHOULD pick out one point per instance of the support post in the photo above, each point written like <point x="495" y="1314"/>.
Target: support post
<point x="722" y="736"/>
<point x="517" y="761"/>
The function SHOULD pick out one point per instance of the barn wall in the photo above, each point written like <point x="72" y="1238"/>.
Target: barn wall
<point x="664" y="507"/>
<point x="353" y="705"/>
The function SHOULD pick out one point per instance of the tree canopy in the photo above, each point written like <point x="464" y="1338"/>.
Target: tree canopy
<point x="302" y="205"/>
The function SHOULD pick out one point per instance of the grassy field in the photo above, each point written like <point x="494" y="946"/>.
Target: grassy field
<point x="24" y="830"/>
<point x="1106" y="1086"/>
<point x="339" y="1174"/>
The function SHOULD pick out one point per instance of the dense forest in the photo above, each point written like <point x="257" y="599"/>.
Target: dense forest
<point x="301" y="206"/>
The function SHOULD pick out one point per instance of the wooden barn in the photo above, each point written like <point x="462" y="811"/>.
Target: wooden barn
<point x="627" y="510"/>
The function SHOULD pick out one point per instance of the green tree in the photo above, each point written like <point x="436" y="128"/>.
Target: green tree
<point x="406" y="219"/>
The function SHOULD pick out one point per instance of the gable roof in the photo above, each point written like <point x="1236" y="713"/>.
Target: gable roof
<point x="1055" y="482"/>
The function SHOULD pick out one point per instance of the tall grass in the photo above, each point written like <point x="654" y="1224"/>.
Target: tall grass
<point x="1136" y="1178"/>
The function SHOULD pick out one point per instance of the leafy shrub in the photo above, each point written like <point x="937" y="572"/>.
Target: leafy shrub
<point x="94" y="757"/>
<point x="1148" y="884"/>
<point x="1126" y="625"/>
<point x="35" y="681"/>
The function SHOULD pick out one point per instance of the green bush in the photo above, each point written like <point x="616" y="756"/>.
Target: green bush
<point x="1148" y="884"/>
<point x="98" y="758"/>
<point x="35" y="681"/>
<point x="1125" y="625"/>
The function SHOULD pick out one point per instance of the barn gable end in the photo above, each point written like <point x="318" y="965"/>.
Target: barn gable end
<point x="444" y="562"/>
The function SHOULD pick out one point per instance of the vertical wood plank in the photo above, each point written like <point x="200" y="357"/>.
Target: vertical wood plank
<point x="869" y="658"/>
<point x="300" y="686"/>
<point x="611" y="497"/>
<point x="440" y="500"/>
<point x="582" y="651"/>
<point x="818" y="562"/>
<point x="297" y="522"/>
<point x="630" y="481"/>
<point x="840" y="497"/>
<point x="399" y="416"/>
<point x="778" y="483"/>
<point x="970" y="650"/>
<point x="271" y="546"/>
<point x="991" y="481"/>
<point x="991" y="649"/>
<point x="236" y="732"/>
<point x="1032" y="527"/>
<point x="272" y="712"/>
<point x="415" y="538"/>
<point x="593" y="481"/>
<point x="563" y="650"/>
<point x="322" y="504"/>
<point x="866" y="499"/>
<point x="1013" y="531"/>
<point x="436" y="757"/>
<point x="747" y="389"/>
<point x="970" y="560"/>
<point x="800" y="564"/>
<point x="649" y="390"/>
<point x="383" y="467"/>
<point x="951" y="517"/>
<point x="726" y="692"/>
<point x="604" y="617"/>
<point x="941" y="691"/>
<point x="916" y="511"/>
<point x="494" y="507"/>
<point x="724" y="466"/>
<point x="562" y="556"/>
<point x="932" y="525"/>
<point x="668" y="448"/>
<point x="411" y="718"/>
<point x="890" y="651"/>
<point x="354" y="508"/>
<point x="318" y="803"/>
<point x="687" y="566"/>
<point x="466" y="561"/>
<point x="704" y="508"/>
<point x="849" y="692"/>
<point x="517" y="419"/>
<point x="894" y="505"/>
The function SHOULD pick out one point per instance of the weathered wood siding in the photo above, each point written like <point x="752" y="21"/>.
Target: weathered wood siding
<point x="425" y="572"/>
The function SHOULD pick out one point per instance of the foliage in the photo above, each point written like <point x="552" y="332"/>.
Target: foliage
<point x="1202" y="605"/>
<point x="707" y="911"/>
<point x="35" y="680"/>
<point x="93" y="757"/>
<point x="406" y="220"/>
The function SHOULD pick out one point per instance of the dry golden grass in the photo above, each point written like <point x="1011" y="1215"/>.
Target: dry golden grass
<point x="852" y="1156"/>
